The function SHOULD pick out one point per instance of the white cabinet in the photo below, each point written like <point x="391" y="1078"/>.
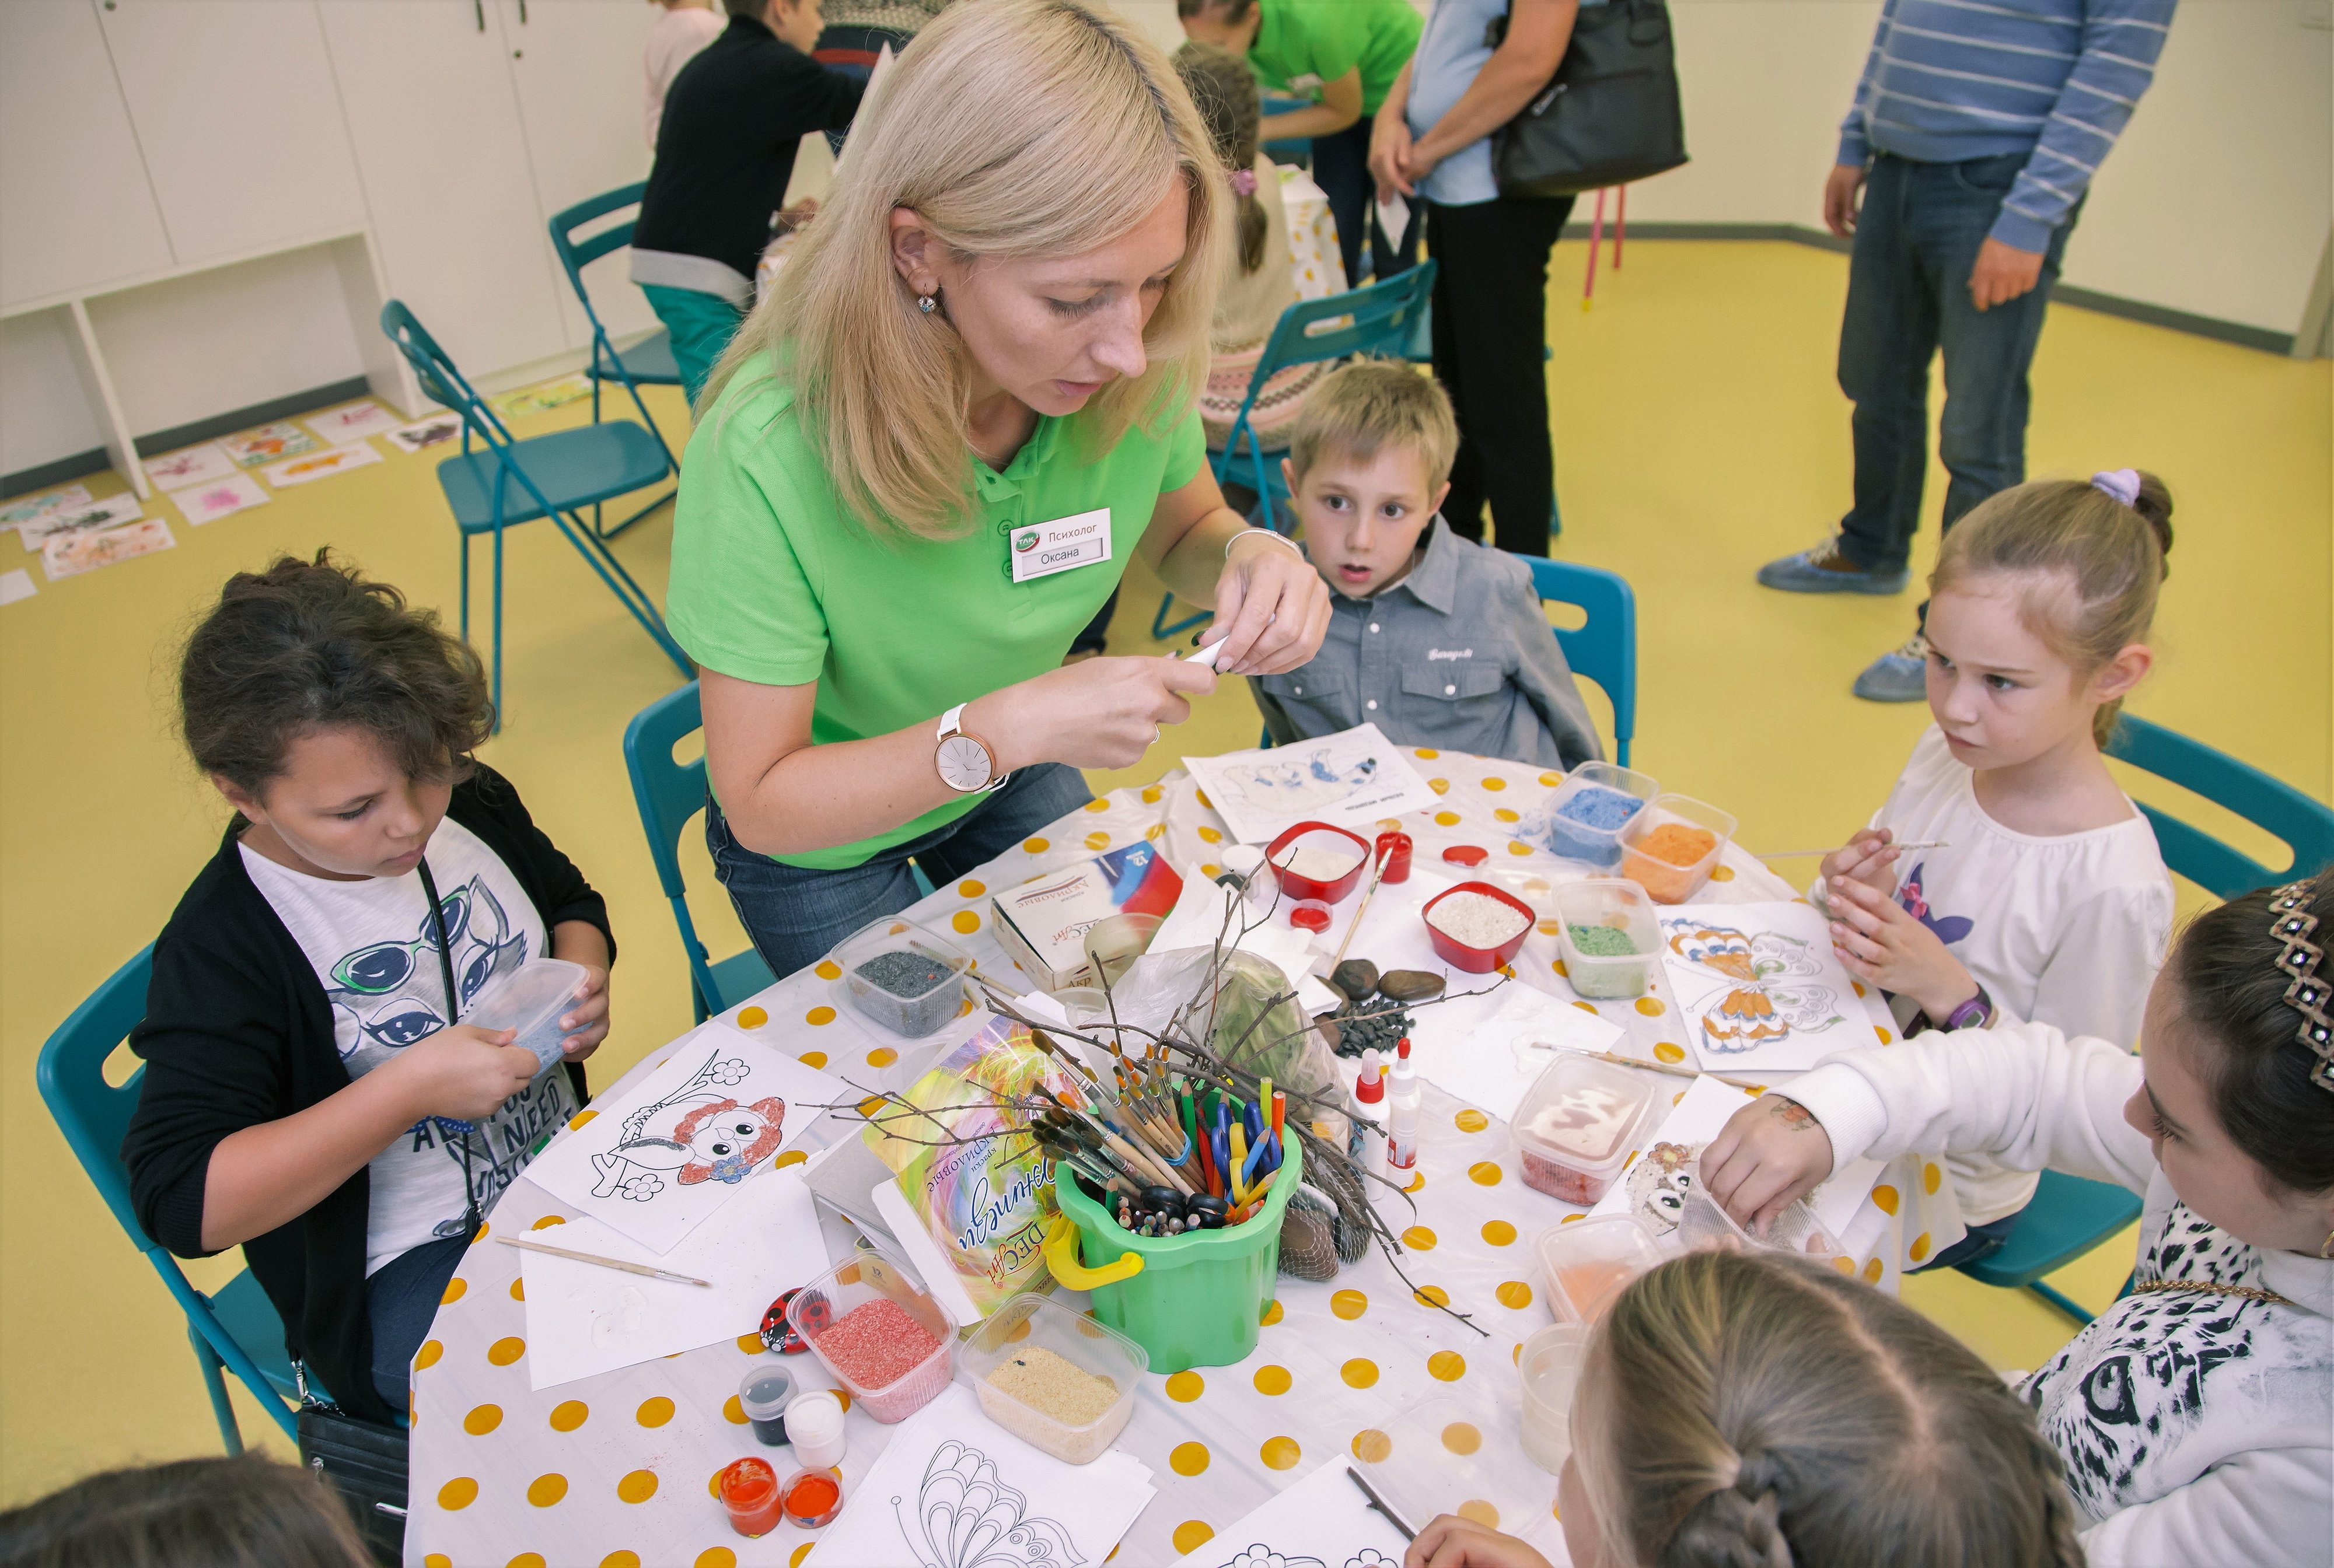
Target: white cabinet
<point x="575" y="65"/>
<point x="426" y="88"/>
<point x="75" y="208"/>
<point x="235" y="109"/>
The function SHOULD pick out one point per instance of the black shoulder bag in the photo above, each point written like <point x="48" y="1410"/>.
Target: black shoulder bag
<point x="1610" y="114"/>
<point x="365" y="1461"/>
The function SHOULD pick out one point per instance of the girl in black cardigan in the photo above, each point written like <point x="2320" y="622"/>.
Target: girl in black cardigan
<point x="305" y="1093"/>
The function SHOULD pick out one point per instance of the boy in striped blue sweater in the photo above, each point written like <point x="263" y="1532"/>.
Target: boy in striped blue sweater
<point x="1976" y="133"/>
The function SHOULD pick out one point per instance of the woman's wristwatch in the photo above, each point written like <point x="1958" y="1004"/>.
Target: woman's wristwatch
<point x="966" y="763"/>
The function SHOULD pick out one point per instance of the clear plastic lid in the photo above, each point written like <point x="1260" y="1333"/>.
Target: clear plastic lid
<point x="766" y="1388"/>
<point x="1584" y="1113"/>
<point x="531" y="999"/>
<point x="1589" y="829"/>
<point x="1649" y="856"/>
<point x="1796" y="1229"/>
<point x="1588" y="1262"/>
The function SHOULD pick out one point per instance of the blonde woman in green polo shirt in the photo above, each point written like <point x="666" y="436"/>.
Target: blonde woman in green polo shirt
<point x="1345" y="55"/>
<point x="926" y="457"/>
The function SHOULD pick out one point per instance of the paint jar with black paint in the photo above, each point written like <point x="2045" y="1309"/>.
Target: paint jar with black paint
<point x="762" y="1394"/>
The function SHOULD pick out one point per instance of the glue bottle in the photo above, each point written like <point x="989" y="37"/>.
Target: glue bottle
<point x="1370" y="1114"/>
<point x="1402" y="1111"/>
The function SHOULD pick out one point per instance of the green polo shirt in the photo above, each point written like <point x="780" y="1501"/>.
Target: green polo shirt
<point x="1327" y="38"/>
<point x="772" y="583"/>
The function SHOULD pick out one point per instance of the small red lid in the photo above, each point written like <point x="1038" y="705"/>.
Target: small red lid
<point x="1466" y="854"/>
<point x="1369" y="1088"/>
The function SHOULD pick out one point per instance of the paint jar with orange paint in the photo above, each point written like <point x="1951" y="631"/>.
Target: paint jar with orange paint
<point x="749" y="1495"/>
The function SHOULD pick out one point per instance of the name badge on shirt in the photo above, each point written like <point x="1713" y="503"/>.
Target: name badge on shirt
<point x="1062" y="545"/>
<point x="1308" y="82"/>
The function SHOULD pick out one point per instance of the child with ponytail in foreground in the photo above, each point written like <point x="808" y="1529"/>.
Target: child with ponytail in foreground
<point x="1756" y="1411"/>
<point x="2195" y="1415"/>
<point x="2038" y="893"/>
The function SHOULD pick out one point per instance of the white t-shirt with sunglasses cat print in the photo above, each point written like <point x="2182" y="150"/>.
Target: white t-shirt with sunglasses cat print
<point x="375" y="948"/>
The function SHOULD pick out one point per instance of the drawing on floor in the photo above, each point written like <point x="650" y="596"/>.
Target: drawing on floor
<point x="268" y="443"/>
<point x="191" y="466"/>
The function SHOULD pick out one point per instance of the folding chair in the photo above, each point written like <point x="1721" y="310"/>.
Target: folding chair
<point x="2068" y="1216"/>
<point x="1605" y="648"/>
<point x="235" y="1328"/>
<point x="647" y="363"/>
<point x="510" y="481"/>
<point x="1375" y="320"/>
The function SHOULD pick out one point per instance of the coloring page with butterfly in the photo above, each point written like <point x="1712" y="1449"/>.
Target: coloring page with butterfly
<point x="656" y="1162"/>
<point x="1323" y="1521"/>
<point x="956" y="1491"/>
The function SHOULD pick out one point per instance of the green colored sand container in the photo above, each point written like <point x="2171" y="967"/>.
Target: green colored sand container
<point x="1198" y="1299"/>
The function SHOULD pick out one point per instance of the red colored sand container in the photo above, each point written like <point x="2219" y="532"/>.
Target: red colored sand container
<point x="887" y="1343"/>
<point x="1326" y="837"/>
<point x="1479" y="960"/>
<point x="749" y="1493"/>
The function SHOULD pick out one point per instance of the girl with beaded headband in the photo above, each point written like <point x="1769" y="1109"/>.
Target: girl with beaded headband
<point x="2195" y="1415"/>
<point x="2038" y="893"/>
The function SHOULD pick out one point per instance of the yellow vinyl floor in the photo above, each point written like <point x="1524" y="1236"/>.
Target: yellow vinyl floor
<point x="1698" y="433"/>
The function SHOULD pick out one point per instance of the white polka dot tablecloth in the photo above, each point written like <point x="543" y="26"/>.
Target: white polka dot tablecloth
<point x="618" y="1471"/>
<point x="1313" y="255"/>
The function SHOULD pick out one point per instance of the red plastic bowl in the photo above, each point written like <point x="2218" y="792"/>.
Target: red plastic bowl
<point x="1479" y="960"/>
<point x="1302" y="886"/>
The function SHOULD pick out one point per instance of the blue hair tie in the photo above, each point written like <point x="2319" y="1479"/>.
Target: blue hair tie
<point x="2122" y="483"/>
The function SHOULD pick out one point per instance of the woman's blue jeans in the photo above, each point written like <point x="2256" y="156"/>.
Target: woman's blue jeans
<point x="1916" y="242"/>
<point x="794" y="915"/>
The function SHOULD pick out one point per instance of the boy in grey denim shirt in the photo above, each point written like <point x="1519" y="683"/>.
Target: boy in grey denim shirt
<point x="1437" y="641"/>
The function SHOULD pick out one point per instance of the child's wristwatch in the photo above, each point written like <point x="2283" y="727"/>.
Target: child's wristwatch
<point x="1972" y="1013"/>
<point x="966" y="763"/>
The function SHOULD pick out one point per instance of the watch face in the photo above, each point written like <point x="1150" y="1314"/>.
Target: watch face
<point x="963" y="763"/>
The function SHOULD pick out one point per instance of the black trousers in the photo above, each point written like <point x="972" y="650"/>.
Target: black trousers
<point x="1490" y="342"/>
<point x="1340" y="168"/>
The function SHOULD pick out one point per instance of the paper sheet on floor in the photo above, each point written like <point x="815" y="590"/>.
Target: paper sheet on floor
<point x="209" y="502"/>
<point x="1489" y="1050"/>
<point x="582" y="1319"/>
<point x="267" y="443"/>
<point x="70" y="554"/>
<point x="15" y="585"/>
<point x="956" y="1488"/>
<point x="321" y="464"/>
<point x="660" y="1159"/>
<point x="33" y="508"/>
<point x="423" y="434"/>
<point x="190" y="466"/>
<point x="86" y="518"/>
<point x="351" y="422"/>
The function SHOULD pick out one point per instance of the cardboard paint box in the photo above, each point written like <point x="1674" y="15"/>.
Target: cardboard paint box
<point x="1042" y="924"/>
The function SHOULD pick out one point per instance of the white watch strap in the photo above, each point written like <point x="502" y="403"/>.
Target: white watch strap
<point x="948" y="721"/>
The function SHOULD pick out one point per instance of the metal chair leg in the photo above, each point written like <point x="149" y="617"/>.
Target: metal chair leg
<point x="215" y="1384"/>
<point x="619" y="583"/>
<point x="498" y="623"/>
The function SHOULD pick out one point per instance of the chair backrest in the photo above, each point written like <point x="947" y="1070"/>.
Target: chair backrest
<point x="1605" y="648"/>
<point x="91" y="1113"/>
<point x="439" y="379"/>
<point x="668" y="795"/>
<point x="575" y="255"/>
<point x="2306" y="826"/>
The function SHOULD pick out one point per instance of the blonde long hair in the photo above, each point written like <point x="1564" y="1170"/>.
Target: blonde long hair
<point x="1016" y="129"/>
<point x="1755" y="1411"/>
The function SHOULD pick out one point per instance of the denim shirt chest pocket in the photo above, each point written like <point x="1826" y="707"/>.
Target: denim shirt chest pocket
<point x="1319" y="689"/>
<point x="1443" y="681"/>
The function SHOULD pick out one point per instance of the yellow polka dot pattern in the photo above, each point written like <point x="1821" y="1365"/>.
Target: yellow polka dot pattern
<point x="1280" y="1453"/>
<point x="1189" y="1458"/>
<point x="1668" y="1050"/>
<point x="970" y="889"/>
<point x="1418" y="1239"/>
<point x="638" y="1486"/>
<point x="819" y="1015"/>
<point x="1515" y="1293"/>
<point x="569" y="1414"/>
<point x="1884" y="1197"/>
<point x="1272" y="1379"/>
<point x="1426" y="752"/>
<point x="1035" y="846"/>
<point x="1480" y="1512"/>
<point x="1440" y="786"/>
<point x="1349" y="1305"/>
<point x="1446" y="1366"/>
<point x="1651" y="1006"/>
<point x="882" y="1056"/>
<point x="454" y="1289"/>
<point x="1485" y="1173"/>
<point x="1920" y="1247"/>
<point x="1470" y="1120"/>
<point x="426" y="1356"/>
<point x="620" y="1560"/>
<point x="1270" y="1315"/>
<point x="1099" y="803"/>
<point x="1929" y="1176"/>
<point x="1873" y="1269"/>
<point x="483" y="1419"/>
<point x="1505" y="815"/>
<point x="1097" y="841"/>
<point x="1191" y="1534"/>
<point x="716" y="1557"/>
<point x="545" y="1490"/>
<point x="1184" y="1387"/>
<point x="504" y="1352"/>
<point x="1498" y="1233"/>
<point x="800" y="1553"/>
<point x="813" y="1058"/>
<point x="1446" y="819"/>
<point x="457" y="1494"/>
<point x="581" y="1116"/>
<point x="1432" y="1296"/>
<point x="1462" y="1437"/>
<point x="1372" y="1446"/>
<point x="526" y="1560"/>
<point x="657" y="1412"/>
<point x="1361" y="1372"/>
<point x="547" y="1221"/>
<point x="1495" y="783"/>
<point x="965" y="921"/>
<point x="755" y="1017"/>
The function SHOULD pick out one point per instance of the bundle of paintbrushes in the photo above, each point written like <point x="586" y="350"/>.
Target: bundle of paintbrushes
<point x="1172" y="1152"/>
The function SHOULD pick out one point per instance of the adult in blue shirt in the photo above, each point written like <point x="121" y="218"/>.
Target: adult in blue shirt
<point x="1431" y="143"/>
<point x="1974" y="139"/>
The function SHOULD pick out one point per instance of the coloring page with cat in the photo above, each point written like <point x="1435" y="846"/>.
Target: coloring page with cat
<point x="1323" y="1521"/>
<point x="955" y="1490"/>
<point x="656" y="1161"/>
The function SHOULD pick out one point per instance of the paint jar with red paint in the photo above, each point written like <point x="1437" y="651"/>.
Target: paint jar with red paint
<point x="812" y="1497"/>
<point x="749" y="1494"/>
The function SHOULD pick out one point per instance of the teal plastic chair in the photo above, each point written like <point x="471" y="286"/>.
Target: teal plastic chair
<point x="1383" y="315"/>
<point x="647" y="363"/>
<point x="670" y="795"/>
<point x="2069" y="1216"/>
<point x="236" y="1329"/>
<point x="509" y="481"/>
<point x="1605" y="648"/>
